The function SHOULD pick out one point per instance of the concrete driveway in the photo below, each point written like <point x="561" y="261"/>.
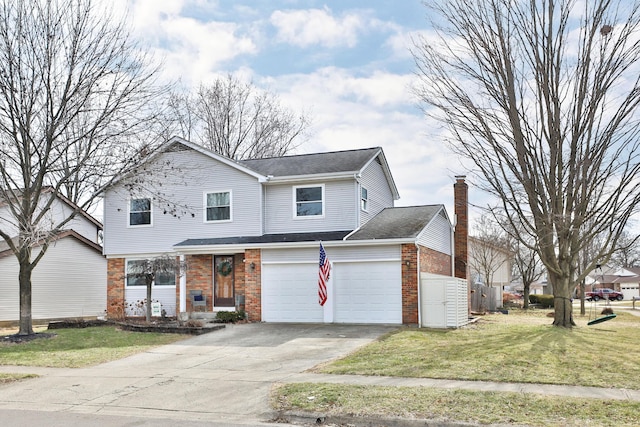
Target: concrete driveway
<point x="225" y="375"/>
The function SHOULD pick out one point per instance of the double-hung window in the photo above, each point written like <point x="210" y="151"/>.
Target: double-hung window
<point x="364" y="199"/>
<point x="217" y="206"/>
<point x="309" y="201"/>
<point x="139" y="212"/>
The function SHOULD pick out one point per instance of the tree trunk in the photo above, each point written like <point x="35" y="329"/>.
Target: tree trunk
<point x="148" y="302"/>
<point x="527" y="292"/>
<point x="563" y="316"/>
<point x="24" y="278"/>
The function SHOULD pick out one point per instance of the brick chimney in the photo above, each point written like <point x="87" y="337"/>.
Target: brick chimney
<point x="461" y="230"/>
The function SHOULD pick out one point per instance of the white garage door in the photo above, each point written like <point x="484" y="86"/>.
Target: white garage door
<point x="290" y="293"/>
<point x="368" y="292"/>
<point x="363" y="292"/>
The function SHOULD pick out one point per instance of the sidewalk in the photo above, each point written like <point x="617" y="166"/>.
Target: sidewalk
<point x="546" y="389"/>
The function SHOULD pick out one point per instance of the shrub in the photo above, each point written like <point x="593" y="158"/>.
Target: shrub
<point x="545" y="301"/>
<point x="230" y="316"/>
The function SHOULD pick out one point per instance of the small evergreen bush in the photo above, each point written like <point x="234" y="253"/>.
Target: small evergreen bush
<point x="546" y="301"/>
<point x="230" y="316"/>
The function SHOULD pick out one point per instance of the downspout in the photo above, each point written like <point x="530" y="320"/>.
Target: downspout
<point x="419" y="286"/>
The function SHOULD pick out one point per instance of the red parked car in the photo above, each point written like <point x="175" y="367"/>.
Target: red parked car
<point x="604" y="293"/>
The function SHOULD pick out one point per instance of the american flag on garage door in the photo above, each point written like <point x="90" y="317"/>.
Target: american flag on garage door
<point x="323" y="276"/>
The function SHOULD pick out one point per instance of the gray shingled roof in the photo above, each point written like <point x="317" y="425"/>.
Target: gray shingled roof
<point x="397" y="223"/>
<point x="267" y="238"/>
<point x="317" y="163"/>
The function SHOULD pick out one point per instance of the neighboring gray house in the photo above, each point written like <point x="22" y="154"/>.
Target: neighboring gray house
<point x="250" y="233"/>
<point x="69" y="280"/>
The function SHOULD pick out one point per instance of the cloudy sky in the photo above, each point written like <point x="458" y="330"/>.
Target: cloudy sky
<point x="345" y="62"/>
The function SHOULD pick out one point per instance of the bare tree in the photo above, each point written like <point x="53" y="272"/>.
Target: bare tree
<point x="542" y="97"/>
<point x="489" y="250"/>
<point x="628" y="253"/>
<point x="75" y="94"/>
<point x="238" y="120"/>
<point x="527" y="268"/>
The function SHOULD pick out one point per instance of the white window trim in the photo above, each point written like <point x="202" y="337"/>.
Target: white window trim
<point x="295" y="202"/>
<point x="129" y="213"/>
<point x="204" y="204"/>
<point x="153" y="285"/>
<point x="366" y="207"/>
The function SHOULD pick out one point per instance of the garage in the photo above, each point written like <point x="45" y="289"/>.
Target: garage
<point x="363" y="292"/>
<point x="290" y="293"/>
<point x="368" y="292"/>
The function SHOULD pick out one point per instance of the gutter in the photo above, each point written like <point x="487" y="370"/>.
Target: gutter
<point x="288" y="245"/>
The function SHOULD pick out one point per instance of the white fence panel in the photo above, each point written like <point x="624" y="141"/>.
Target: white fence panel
<point x="444" y="301"/>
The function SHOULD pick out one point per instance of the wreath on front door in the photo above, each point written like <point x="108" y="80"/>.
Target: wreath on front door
<point x="225" y="268"/>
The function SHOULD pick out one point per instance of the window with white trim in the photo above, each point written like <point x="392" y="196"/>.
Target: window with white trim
<point x="139" y="212"/>
<point x="364" y="199"/>
<point x="217" y="206"/>
<point x="136" y="270"/>
<point x="309" y="201"/>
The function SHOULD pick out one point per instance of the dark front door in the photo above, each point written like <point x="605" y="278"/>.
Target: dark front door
<point x="224" y="293"/>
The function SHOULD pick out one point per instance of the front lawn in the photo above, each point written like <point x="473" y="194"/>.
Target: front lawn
<point x="518" y="347"/>
<point x="80" y="347"/>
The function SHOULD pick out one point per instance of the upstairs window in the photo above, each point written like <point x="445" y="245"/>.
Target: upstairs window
<point x="218" y="206"/>
<point x="309" y="201"/>
<point x="139" y="212"/>
<point x="364" y="199"/>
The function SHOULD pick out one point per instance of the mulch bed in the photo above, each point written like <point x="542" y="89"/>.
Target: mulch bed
<point x="18" y="339"/>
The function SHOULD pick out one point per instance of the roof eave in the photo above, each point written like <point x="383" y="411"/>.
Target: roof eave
<point x="287" y="245"/>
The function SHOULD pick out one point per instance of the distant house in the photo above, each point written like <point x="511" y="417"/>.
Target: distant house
<point x="250" y="233"/>
<point x="69" y="280"/>
<point x="625" y="280"/>
<point x="490" y="265"/>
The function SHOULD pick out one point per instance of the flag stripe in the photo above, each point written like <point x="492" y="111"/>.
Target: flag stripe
<point x="323" y="276"/>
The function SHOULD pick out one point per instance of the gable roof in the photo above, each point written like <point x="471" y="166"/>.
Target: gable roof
<point x="69" y="203"/>
<point x="397" y="223"/>
<point x="322" y="165"/>
<point x="294" y="167"/>
<point x="6" y="251"/>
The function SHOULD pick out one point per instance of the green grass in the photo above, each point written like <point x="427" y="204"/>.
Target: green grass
<point x="511" y="348"/>
<point x="518" y="347"/>
<point x="454" y="405"/>
<point x="76" y="348"/>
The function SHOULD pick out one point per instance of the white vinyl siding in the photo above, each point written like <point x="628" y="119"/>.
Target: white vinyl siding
<point x="178" y="207"/>
<point x="437" y="235"/>
<point x="379" y="195"/>
<point x="339" y="208"/>
<point x="70" y="281"/>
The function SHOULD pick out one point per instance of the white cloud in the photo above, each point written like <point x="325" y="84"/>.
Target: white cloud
<point x="304" y="28"/>
<point x="377" y="110"/>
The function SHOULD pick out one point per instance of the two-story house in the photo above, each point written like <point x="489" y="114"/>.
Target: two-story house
<point x="68" y="282"/>
<point x="249" y="232"/>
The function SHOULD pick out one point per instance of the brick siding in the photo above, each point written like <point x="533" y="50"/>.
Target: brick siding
<point x="200" y="277"/>
<point x="409" y="284"/>
<point x="115" y="287"/>
<point x="252" y="285"/>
